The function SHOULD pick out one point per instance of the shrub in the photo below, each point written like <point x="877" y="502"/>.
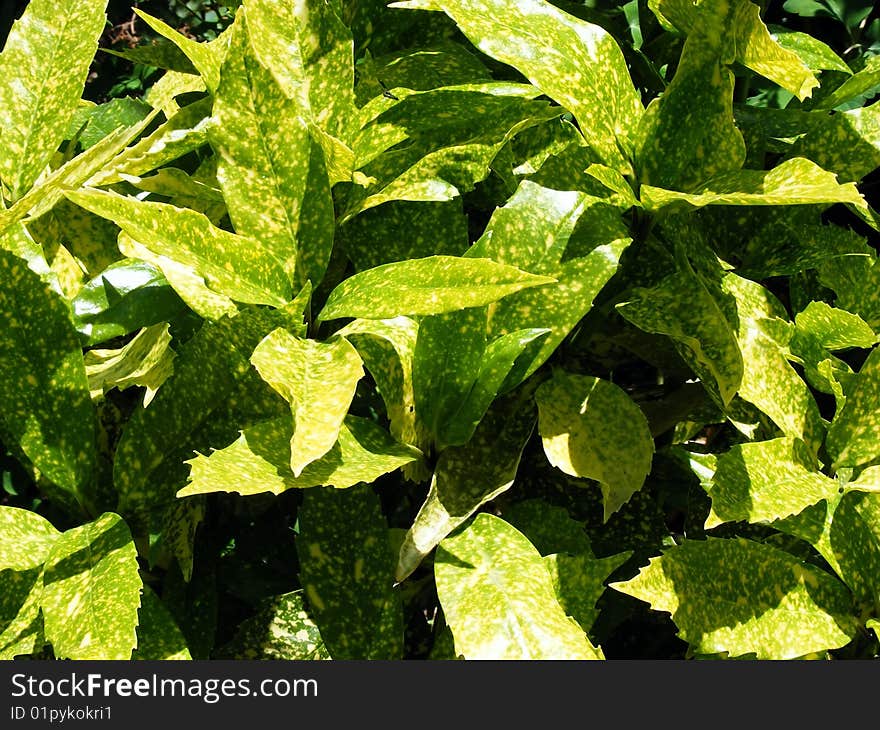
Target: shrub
<point x="456" y="328"/>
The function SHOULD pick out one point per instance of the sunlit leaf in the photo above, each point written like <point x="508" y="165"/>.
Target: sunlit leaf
<point x="318" y="380"/>
<point x="499" y="600"/>
<point x="43" y="70"/>
<point x="590" y="428"/>
<point x="92" y="591"/>
<point x="431" y="285"/>
<point x="743" y="597"/>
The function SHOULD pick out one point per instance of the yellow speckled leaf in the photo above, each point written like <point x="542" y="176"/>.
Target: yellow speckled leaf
<point x="44" y="395"/>
<point x="43" y="69"/>
<point x="264" y="146"/>
<point x="92" y="591"/>
<point x="431" y="285"/>
<point x="744" y="597"/>
<point x="765" y="481"/>
<point x="748" y="39"/>
<point x="797" y="181"/>
<point x="25" y="539"/>
<point x="347" y="571"/>
<point x="591" y="428"/>
<point x="158" y="636"/>
<point x="235" y="266"/>
<point x="318" y="380"/>
<point x="574" y="62"/>
<point x="206" y="57"/>
<point x="466" y="477"/>
<point x="854" y="436"/>
<point x="499" y="599"/>
<point x="259" y="461"/>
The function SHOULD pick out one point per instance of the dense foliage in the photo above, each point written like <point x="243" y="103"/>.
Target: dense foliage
<point x="453" y="328"/>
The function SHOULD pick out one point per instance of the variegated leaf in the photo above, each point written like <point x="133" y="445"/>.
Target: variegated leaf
<point x="92" y="591"/>
<point x="26" y="539"/>
<point x="43" y="70"/>
<point x="683" y="308"/>
<point x="44" y="393"/>
<point x="431" y="285"/>
<point x="743" y="597"/>
<point x="797" y="181"/>
<point x="591" y="428"/>
<point x="466" y="477"/>
<point x="499" y="599"/>
<point x="347" y="571"/>
<point x="158" y="636"/>
<point x="318" y="380"/>
<point x="766" y="481"/>
<point x="264" y="146"/>
<point x="574" y="62"/>
<point x="235" y="266"/>
<point x="854" y="436"/>
<point x="259" y="461"/>
<point x="147" y="361"/>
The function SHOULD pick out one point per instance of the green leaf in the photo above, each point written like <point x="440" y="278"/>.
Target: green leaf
<point x="446" y="360"/>
<point x="183" y="132"/>
<point x="264" y="145"/>
<point x="549" y="528"/>
<point x="22" y="592"/>
<point x="309" y="51"/>
<point x="794" y="182"/>
<point x="769" y="381"/>
<point x="467" y="477"/>
<point x="106" y="118"/>
<point x="207" y="370"/>
<point x="158" y="636"/>
<point x="158" y="54"/>
<point x="688" y="135"/>
<point x="43" y="70"/>
<point x="280" y="629"/>
<point x="318" y="380"/>
<point x="387" y="348"/>
<point x="854" y="436"/>
<point x="232" y="265"/>
<point x="590" y="428"/>
<point x="347" y="571"/>
<point x="847" y="142"/>
<point x="745" y="39"/>
<point x="92" y="591"/>
<point x="146" y="361"/>
<point x="683" y="308"/>
<point x="124" y="297"/>
<point x="25" y="539"/>
<point x="856" y="281"/>
<point x="861" y="83"/>
<point x="834" y="329"/>
<point x="206" y="57"/>
<point x="372" y="238"/>
<point x="576" y="63"/>
<point x="420" y="69"/>
<point x="532" y="232"/>
<point x="431" y="285"/>
<point x="814" y="54"/>
<point x="455" y="135"/>
<point x="50" y="190"/>
<point x="499" y="600"/>
<point x="766" y="481"/>
<point x="497" y="363"/>
<point x="44" y="394"/>
<point x="259" y="461"/>
<point x="579" y="582"/>
<point x="742" y="597"/>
